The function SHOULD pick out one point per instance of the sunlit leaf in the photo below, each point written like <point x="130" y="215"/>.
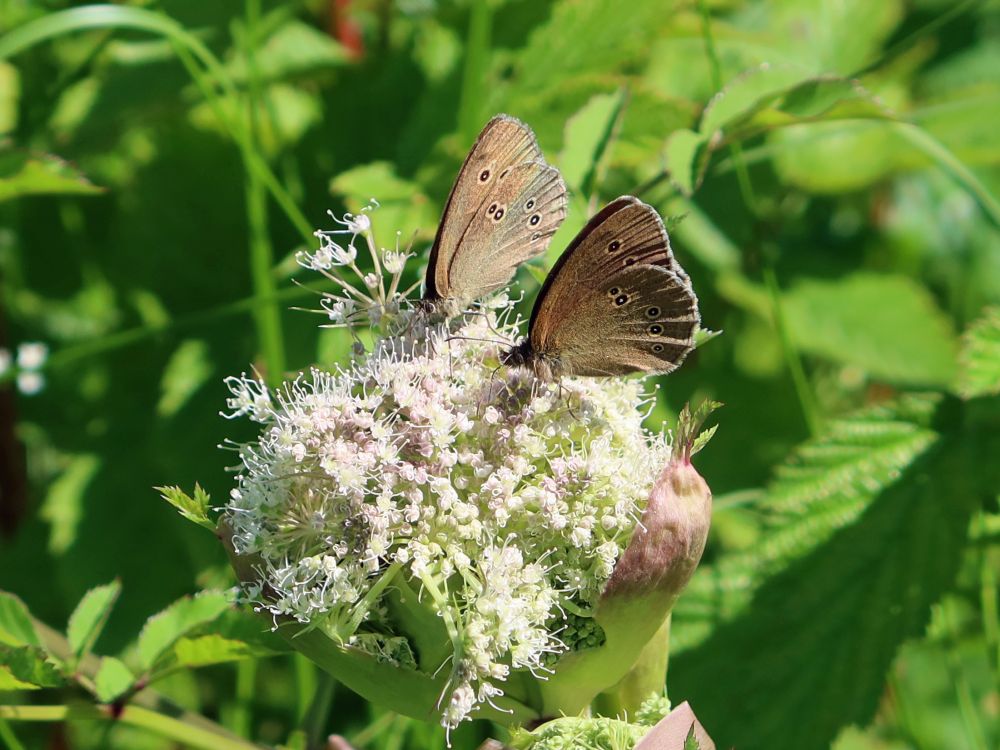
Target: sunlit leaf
<point x="588" y="136"/>
<point x="161" y="631"/>
<point x="90" y="615"/>
<point x="112" y="680"/>
<point x="403" y="206"/>
<point x="193" y="507"/>
<point x="24" y="174"/>
<point x="26" y="668"/>
<point x="210" y="649"/>
<point x="16" y="628"/>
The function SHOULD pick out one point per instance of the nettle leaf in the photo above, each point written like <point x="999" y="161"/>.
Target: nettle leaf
<point x="90" y="615"/>
<point x="193" y="507"/>
<point x="161" y="631"/>
<point x="825" y="486"/>
<point x="16" y="628"/>
<point x="113" y="679"/>
<point x="889" y="326"/>
<point x="979" y="370"/>
<point x="24" y="174"/>
<point x="26" y="668"/>
<point x="866" y="530"/>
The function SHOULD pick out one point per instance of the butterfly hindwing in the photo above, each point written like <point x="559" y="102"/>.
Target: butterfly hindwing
<point x="617" y="301"/>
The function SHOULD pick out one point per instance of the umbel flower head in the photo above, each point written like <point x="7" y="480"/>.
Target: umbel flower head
<point x="446" y="535"/>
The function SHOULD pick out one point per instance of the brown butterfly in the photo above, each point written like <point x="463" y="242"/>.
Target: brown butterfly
<point x="616" y="302"/>
<point x="503" y="209"/>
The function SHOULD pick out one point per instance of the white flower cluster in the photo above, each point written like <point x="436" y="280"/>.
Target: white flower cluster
<point x="502" y="501"/>
<point x="379" y="295"/>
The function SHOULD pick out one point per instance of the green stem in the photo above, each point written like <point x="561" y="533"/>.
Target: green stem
<point x="8" y="737"/>
<point x="246" y="682"/>
<point x="646" y="678"/>
<point x="477" y="51"/>
<point x="314" y="722"/>
<point x="135" y="716"/>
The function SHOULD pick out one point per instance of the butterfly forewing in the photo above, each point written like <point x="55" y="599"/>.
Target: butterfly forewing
<point x="617" y="301"/>
<point x="513" y="225"/>
<point x="503" y="144"/>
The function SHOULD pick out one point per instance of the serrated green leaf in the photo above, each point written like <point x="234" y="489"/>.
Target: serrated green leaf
<point x="240" y="625"/>
<point x="889" y="326"/>
<point x="866" y="532"/>
<point x="16" y="628"/>
<point x="162" y="630"/>
<point x="24" y="174"/>
<point x="209" y="649"/>
<point x="194" y="508"/>
<point x="979" y="371"/>
<point x="89" y="617"/>
<point x="588" y="136"/>
<point x="826" y="485"/>
<point x="112" y="680"/>
<point x="691" y="741"/>
<point x="26" y="668"/>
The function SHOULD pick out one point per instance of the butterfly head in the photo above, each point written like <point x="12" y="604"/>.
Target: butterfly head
<point x="523" y="355"/>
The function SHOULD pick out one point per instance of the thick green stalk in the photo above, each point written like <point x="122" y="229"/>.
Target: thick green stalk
<point x="646" y="678"/>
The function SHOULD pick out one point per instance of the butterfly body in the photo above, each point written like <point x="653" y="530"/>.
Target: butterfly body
<point x="616" y="302"/>
<point x="503" y="209"/>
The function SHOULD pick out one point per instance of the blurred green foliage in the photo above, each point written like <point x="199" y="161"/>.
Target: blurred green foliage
<point x="831" y="168"/>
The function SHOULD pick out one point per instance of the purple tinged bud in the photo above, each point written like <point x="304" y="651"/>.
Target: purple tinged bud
<point x="660" y="559"/>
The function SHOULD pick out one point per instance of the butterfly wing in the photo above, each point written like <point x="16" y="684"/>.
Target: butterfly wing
<point x="467" y="258"/>
<point x="617" y="301"/>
